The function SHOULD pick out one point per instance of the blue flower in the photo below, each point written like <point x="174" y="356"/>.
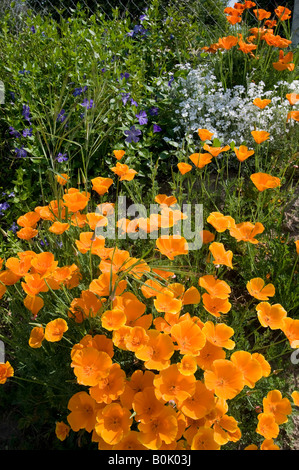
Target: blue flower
<point x="27" y="132"/>
<point x="3" y="207"/>
<point x="153" y="111"/>
<point x="61" y="116"/>
<point x="125" y="97"/>
<point x="132" y="134"/>
<point x="13" y="228"/>
<point x="79" y="91"/>
<point x="62" y="157"/>
<point x="26" y="112"/>
<point x="124" y="75"/>
<point x="142" y="118"/>
<point x="21" y="152"/>
<point x="156" y="128"/>
<point x="133" y="103"/>
<point x="14" y="133"/>
<point x="87" y="104"/>
<point x="171" y="80"/>
<point x="22" y="72"/>
<point x="33" y="29"/>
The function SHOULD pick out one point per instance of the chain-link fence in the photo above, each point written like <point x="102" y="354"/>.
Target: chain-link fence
<point x="208" y="13"/>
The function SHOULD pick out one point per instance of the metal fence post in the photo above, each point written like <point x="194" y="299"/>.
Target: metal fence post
<point x="295" y="24"/>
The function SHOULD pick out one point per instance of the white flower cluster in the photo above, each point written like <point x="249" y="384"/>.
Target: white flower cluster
<point x="231" y="114"/>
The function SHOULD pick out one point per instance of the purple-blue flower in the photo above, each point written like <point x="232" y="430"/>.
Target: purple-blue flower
<point x="14" y="133"/>
<point x="27" y="132"/>
<point x="13" y="228"/>
<point x="62" y="157"/>
<point x="26" y="112"/>
<point x="153" y="111"/>
<point x="33" y="29"/>
<point x="171" y="80"/>
<point x="142" y="118"/>
<point x="61" y="116"/>
<point x="133" y="103"/>
<point x="156" y="128"/>
<point x="124" y="75"/>
<point x="23" y="72"/>
<point x="87" y="104"/>
<point x="3" y="207"/>
<point x="125" y="97"/>
<point x="132" y="134"/>
<point x="21" y="152"/>
<point x="79" y="91"/>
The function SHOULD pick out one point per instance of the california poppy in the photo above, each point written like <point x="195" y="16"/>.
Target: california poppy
<point x="260" y="136"/>
<point x="264" y="181"/>
<point x="267" y="426"/>
<point x="184" y="168"/>
<point x="109" y="388"/>
<point x="62" y="430"/>
<point x="62" y="178"/>
<point x="200" y="403"/>
<point x="6" y="371"/>
<point x="220" y="255"/>
<point x="242" y="153"/>
<point x="118" y="154"/>
<point x="124" y="172"/>
<point x="156" y="353"/>
<point x="208" y="354"/>
<point x="188" y="336"/>
<point x="220" y="222"/>
<point x="215" y="151"/>
<point x="225" y="379"/>
<point x="161" y="429"/>
<point x="219" y="334"/>
<point x="90" y="365"/>
<point x="292" y="98"/>
<point x="36" y="337"/>
<point x="215" y="306"/>
<point x="205" y="134"/>
<point x="257" y="288"/>
<point x="54" y="329"/>
<point x="290" y="328"/>
<point x="284" y="62"/>
<point x="215" y="287"/>
<point x="271" y="315"/>
<point x="228" y="42"/>
<point x="261" y="14"/>
<point x="172" y="245"/>
<point x="83" y="409"/>
<point x="278" y="406"/>
<point x="249" y="365"/>
<point x="113" y="422"/>
<point x="283" y="13"/>
<point x="59" y="227"/>
<point x="170" y="384"/>
<point x="261" y="103"/>
<point x="200" y="160"/>
<point x="204" y="440"/>
<point x="246" y="231"/>
<point x="75" y="200"/>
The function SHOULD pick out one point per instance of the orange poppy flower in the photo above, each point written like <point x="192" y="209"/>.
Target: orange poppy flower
<point x="256" y="287"/>
<point x="268" y="444"/>
<point x="205" y="134"/>
<point x="283" y="13"/>
<point x="200" y="160"/>
<point x="170" y="384"/>
<point x="208" y="354"/>
<point x="261" y="103"/>
<point x="293" y="115"/>
<point x="249" y="4"/>
<point x="278" y="406"/>
<point x="166" y="302"/>
<point x="267" y="426"/>
<point x="291" y="330"/>
<point x="19" y="267"/>
<point x="215" y="287"/>
<point x="134" y="310"/>
<point x="204" y="440"/>
<point x="101" y="185"/>
<point x="191" y="296"/>
<point x="224" y="378"/>
<point x="271" y="315"/>
<point x="215" y="306"/>
<point x="130" y="441"/>
<point x="138" y="381"/>
<point x="6" y="371"/>
<point x="264" y="181"/>
<point x="54" y="329"/>
<point x="136" y="338"/>
<point x="200" y="403"/>
<point x="266" y="368"/>
<point x="113" y="422"/>
<point x="188" y="336"/>
<point x="75" y="201"/>
<point x="184" y="168"/>
<point x="59" y="227"/>
<point x="284" y="62"/>
<point x="220" y="222"/>
<point x="29" y="219"/>
<point x="242" y="153"/>
<point x="34" y="304"/>
<point x="295" y="396"/>
<point x="172" y="245"/>
<point x="88" y="240"/>
<point x="146" y="405"/>
<point x="228" y="42"/>
<point x="297" y="246"/>
<point x="83" y="409"/>
<point x="246" y="47"/>
<point x="215" y="151"/>
<point x="161" y="429"/>
<point x="124" y="172"/>
<point x="163" y="199"/>
<point x="3" y="289"/>
<point x="119" y="154"/>
<point x="34" y="284"/>
<point x="188" y="365"/>
<point x="62" y="430"/>
<point x="220" y="255"/>
<point x="207" y="236"/>
<point x="156" y="353"/>
<point x="249" y="365"/>
<point x="293" y="98"/>
<point x="262" y="14"/>
<point x="44" y="264"/>
<point x="113" y="319"/>
<point x="91" y="365"/>
<point x="78" y="219"/>
<point x="246" y="232"/>
<point x="260" y="136"/>
<point x="109" y="388"/>
<point x="36" y="337"/>
<point x="105" y="285"/>
<point x="219" y="334"/>
<point x="62" y="178"/>
<point x="27" y="233"/>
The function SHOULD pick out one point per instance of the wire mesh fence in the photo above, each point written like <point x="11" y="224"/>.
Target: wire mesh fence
<point x="208" y="13"/>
